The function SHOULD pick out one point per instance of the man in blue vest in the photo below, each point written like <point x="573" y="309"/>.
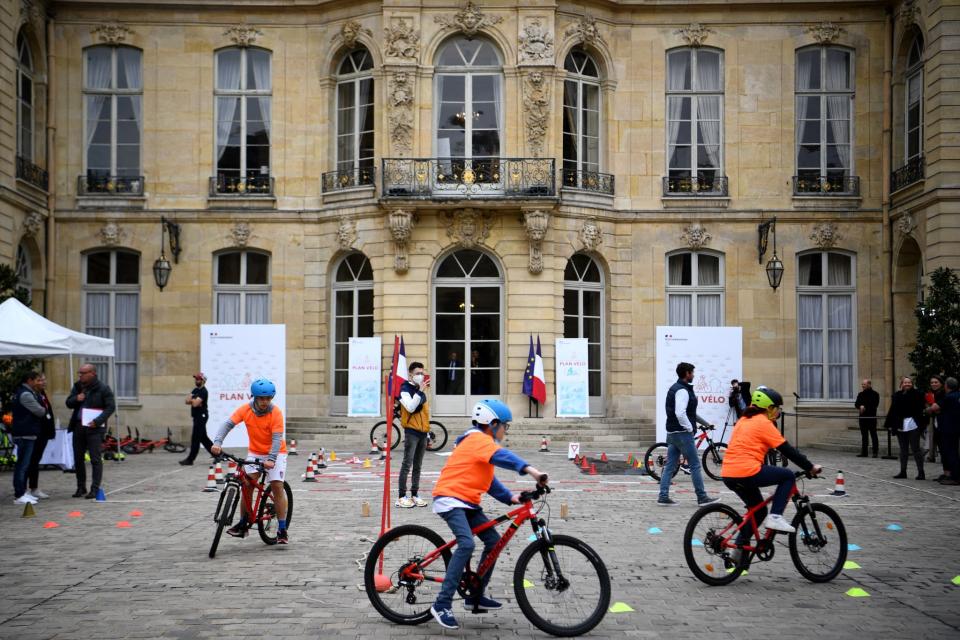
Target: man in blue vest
<point x="681" y="409"/>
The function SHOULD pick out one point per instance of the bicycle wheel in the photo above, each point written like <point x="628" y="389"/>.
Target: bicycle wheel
<point x="223" y="516"/>
<point x="174" y="447"/>
<point x="130" y="448"/>
<point x="379" y="432"/>
<point x="436" y="437"/>
<point x="404" y="599"/>
<point x="703" y="545"/>
<point x="565" y="594"/>
<point x="713" y="459"/>
<point x="655" y="459"/>
<point x="267" y="514"/>
<point x="818" y="547"/>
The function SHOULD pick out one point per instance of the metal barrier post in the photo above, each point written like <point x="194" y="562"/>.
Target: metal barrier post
<point x="889" y="455"/>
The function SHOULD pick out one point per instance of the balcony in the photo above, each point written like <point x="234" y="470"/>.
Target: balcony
<point x="233" y="186"/>
<point x="428" y="178"/>
<point x="592" y="181"/>
<point x="343" y="179"/>
<point x="705" y="186"/>
<point x="32" y="174"/>
<point x="96" y="184"/>
<point x="913" y="171"/>
<point x="826" y="186"/>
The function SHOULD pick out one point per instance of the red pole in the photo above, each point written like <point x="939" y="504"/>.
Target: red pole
<point x="390" y="381"/>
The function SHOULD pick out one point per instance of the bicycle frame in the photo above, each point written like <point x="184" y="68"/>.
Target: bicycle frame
<point x="749" y="518"/>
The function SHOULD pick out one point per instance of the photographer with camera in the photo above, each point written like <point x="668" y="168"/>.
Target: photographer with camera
<point x="736" y="401"/>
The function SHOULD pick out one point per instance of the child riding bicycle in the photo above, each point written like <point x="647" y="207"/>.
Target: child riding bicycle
<point x="265" y="432"/>
<point x="466" y="476"/>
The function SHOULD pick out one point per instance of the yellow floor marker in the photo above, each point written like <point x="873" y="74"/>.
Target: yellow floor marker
<point x="850" y="564"/>
<point x="620" y="607"/>
<point x="527" y="584"/>
<point x="857" y="592"/>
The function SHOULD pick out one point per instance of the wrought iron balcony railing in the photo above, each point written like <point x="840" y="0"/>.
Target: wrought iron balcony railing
<point x="814" y="185"/>
<point x="254" y="185"/>
<point x="468" y="177"/>
<point x="913" y="171"/>
<point x="706" y="186"/>
<point x="347" y="178"/>
<point x="593" y="181"/>
<point x="104" y="185"/>
<point x="29" y="172"/>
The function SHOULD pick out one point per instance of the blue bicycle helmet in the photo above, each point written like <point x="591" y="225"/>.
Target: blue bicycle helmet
<point x="488" y="410"/>
<point x="262" y="387"/>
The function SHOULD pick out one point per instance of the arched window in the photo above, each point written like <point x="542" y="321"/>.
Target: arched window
<point x="695" y="122"/>
<point x="913" y="116"/>
<point x="352" y="315"/>
<point x="113" y="97"/>
<point x="111" y="292"/>
<point x="581" y="120"/>
<point x="243" y="98"/>
<point x="24" y="271"/>
<point x="355" y="119"/>
<point x="241" y="287"/>
<point x="583" y="317"/>
<point x="695" y="289"/>
<point x="25" y="125"/>
<point x="826" y="304"/>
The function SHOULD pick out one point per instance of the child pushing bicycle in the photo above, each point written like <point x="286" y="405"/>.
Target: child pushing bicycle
<point x="264" y="424"/>
<point x="467" y="475"/>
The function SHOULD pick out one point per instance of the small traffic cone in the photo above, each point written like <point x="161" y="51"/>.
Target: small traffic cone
<point x="309" y="476"/>
<point x="603" y="457"/>
<point x="584" y="464"/>
<point x="355" y="460"/>
<point x="101" y="496"/>
<point x="364" y="509"/>
<point x="292" y="449"/>
<point x="333" y="456"/>
<point x="593" y="469"/>
<point x="630" y="460"/>
<point x="544" y="444"/>
<point x="320" y="462"/>
<point x="218" y="474"/>
<point x="374" y="447"/>
<point x="211" y="482"/>
<point x="366" y="463"/>
<point x="839" y="489"/>
<point x="28" y="511"/>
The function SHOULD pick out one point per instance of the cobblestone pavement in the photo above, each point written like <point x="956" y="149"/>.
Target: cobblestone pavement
<point x="89" y="579"/>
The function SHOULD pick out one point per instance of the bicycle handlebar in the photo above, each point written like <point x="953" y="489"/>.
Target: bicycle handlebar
<point x="542" y="488"/>
<point x="239" y="461"/>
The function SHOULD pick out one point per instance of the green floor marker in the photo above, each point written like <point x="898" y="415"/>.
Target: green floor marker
<point x="956" y="580"/>
<point x="857" y="592"/>
<point x="527" y="584"/>
<point x="850" y="564"/>
<point x="620" y="607"/>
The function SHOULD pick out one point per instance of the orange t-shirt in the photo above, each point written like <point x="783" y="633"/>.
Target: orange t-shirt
<point x="468" y="472"/>
<point x="260" y="429"/>
<point x="751" y="440"/>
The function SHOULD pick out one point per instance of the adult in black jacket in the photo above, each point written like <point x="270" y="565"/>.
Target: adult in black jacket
<point x="199" y="413"/>
<point x="949" y="420"/>
<point x="48" y="432"/>
<point x="905" y="418"/>
<point x="89" y="393"/>
<point x="866" y="403"/>
<point x="27" y="425"/>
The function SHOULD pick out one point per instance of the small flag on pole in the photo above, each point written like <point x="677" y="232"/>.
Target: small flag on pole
<point x="399" y="375"/>
<point x="539" y="380"/>
<point x="528" y="373"/>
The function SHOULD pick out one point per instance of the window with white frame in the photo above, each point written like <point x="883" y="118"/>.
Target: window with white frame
<point x="355" y="118"/>
<point x="694" y="121"/>
<point x="913" y="116"/>
<point x="581" y="118"/>
<point x="824" y="117"/>
<point x="352" y="313"/>
<point x="113" y="96"/>
<point x="583" y="313"/>
<point x="241" y="287"/>
<point x="243" y="110"/>
<point x="111" y="293"/>
<point x="25" y="125"/>
<point x="24" y="271"/>
<point x="695" y="289"/>
<point x="826" y="340"/>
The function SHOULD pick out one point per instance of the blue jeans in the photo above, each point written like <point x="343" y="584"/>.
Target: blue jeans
<point x="461" y="521"/>
<point x="24" y="453"/>
<point x="749" y="491"/>
<point x="414" y="446"/>
<point x="681" y="443"/>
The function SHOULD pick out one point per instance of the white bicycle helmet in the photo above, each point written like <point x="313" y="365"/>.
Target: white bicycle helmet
<point x="486" y="411"/>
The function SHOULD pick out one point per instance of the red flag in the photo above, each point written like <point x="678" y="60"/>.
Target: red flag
<point x="539" y="382"/>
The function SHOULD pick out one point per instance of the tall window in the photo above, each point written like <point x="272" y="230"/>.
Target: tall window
<point x="111" y="292"/>
<point x="694" y="118"/>
<point x="824" y="113"/>
<point x="242" y="287"/>
<point x="583" y="314"/>
<point x="826" y="291"/>
<point x="352" y="313"/>
<point x="25" y="136"/>
<point x="581" y="118"/>
<point x="355" y="118"/>
<point x="113" y="95"/>
<point x="694" y="289"/>
<point x="24" y="271"/>
<point x="913" y="118"/>
<point x="243" y="97"/>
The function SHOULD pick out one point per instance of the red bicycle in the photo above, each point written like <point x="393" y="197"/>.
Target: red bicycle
<point x="655" y="459"/>
<point x="561" y="584"/>
<point x="818" y="547"/>
<point x="139" y="445"/>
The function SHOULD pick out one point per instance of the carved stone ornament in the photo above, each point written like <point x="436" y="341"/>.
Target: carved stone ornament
<point x="240" y="234"/>
<point x="31" y="12"/>
<point x="590" y="235"/>
<point x="351" y="31"/>
<point x="32" y="224"/>
<point x="400" y="115"/>
<point x="402" y="40"/>
<point x="468" y="20"/>
<point x="826" y="32"/>
<point x="909" y="13"/>
<point x="536" y="111"/>
<point x="401" y="228"/>
<point x="111" y="234"/>
<point x="535" y="224"/>
<point x="112" y="33"/>
<point x="825" y="235"/>
<point x="243" y="35"/>
<point x="694" y="34"/>
<point x="585" y="31"/>
<point x="536" y="43"/>
<point x="695" y="236"/>
<point x="346" y="233"/>
<point x="468" y="227"/>
<point x="906" y="225"/>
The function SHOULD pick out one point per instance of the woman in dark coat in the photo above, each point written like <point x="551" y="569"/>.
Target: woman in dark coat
<point x="906" y="419"/>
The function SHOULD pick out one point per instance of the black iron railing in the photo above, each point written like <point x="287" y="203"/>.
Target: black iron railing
<point x="347" y="178"/>
<point x="695" y="186"/>
<point x="468" y="177"/>
<point x="588" y="181"/>
<point x="98" y="184"/>
<point x="256" y="185"/>
<point x="913" y="171"/>
<point x="29" y="172"/>
<point x="814" y="185"/>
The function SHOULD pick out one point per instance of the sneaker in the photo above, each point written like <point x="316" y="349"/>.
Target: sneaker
<point x="950" y="482"/>
<point x="38" y="493"/>
<point x="483" y="604"/>
<point x="90" y="495"/>
<point x="25" y="499"/>
<point x="282" y="537"/>
<point x="240" y="530"/>
<point x="667" y="502"/>
<point x="777" y="523"/>
<point x="444" y="618"/>
<point x="733" y="558"/>
<point x="420" y="502"/>
<point x="685" y="468"/>
<point x="707" y="500"/>
<point x="900" y="476"/>
<point x="186" y="463"/>
<point x="407" y="503"/>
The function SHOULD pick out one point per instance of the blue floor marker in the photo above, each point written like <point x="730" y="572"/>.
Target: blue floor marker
<point x="696" y="542"/>
<point x="533" y="537"/>
<point x="654" y="530"/>
<point x="894" y="527"/>
<point x="853" y="547"/>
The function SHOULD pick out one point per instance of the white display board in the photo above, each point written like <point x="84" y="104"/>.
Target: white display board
<point x="573" y="391"/>
<point x="232" y="356"/>
<point x="363" y="379"/>
<point x="717" y="354"/>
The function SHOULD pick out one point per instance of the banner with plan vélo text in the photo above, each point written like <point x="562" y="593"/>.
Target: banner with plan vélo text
<point x="363" y="377"/>
<point x="573" y="392"/>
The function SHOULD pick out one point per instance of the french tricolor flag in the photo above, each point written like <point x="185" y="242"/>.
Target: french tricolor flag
<point x="539" y="392"/>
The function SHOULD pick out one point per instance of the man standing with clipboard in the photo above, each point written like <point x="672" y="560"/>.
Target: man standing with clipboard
<point x="93" y="403"/>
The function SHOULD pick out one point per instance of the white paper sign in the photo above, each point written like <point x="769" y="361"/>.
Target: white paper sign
<point x="89" y="415"/>
<point x="573" y="450"/>
<point x="573" y="399"/>
<point x="363" y="379"/>
<point x="717" y="354"/>
<point x="232" y="356"/>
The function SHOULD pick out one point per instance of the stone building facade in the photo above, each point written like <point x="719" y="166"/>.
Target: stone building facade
<point x="468" y="174"/>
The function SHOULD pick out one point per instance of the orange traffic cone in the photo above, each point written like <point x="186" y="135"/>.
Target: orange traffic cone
<point x="211" y="482"/>
<point x="309" y="475"/>
<point x="839" y="489"/>
<point x="218" y="474"/>
<point x="374" y="447"/>
<point x="630" y="459"/>
<point x="603" y="457"/>
<point x="593" y="469"/>
<point x="584" y="464"/>
<point x="576" y="460"/>
<point x="320" y="463"/>
<point x="292" y="449"/>
<point x="544" y="444"/>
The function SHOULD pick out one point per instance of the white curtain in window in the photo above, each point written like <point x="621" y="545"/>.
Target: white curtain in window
<point x="708" y="311"/>
<point x="126" y="322"/>
<point x="810" y="346"/>
<point x="840" y="346"/>
<point x="838" y="270"/>
<point x="98" y="315"/>
<point x="258" y="308"/>
<point x="803" y="274"/>
<point x="674" y="109"/>
<point x="838" y="112"/>
<point x="805" y="70"/>
<point x="99" y="73"/>
<point x="678" y="66"/>
<point x="261" y="75"/>
<point x="228" y="70"/>
<point x="95" y="105"/>
<point x="708" y="122"/>
<point x="228" y="308"/>
<point x="496" y="105"/>
<point x="132" y="70"/>
<point x="914" y="88"/>
<point x="679" y="310"/>
<point x="708" y="270"/>
<point x="675" y="270"/>
<point x="708" y="72"/>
